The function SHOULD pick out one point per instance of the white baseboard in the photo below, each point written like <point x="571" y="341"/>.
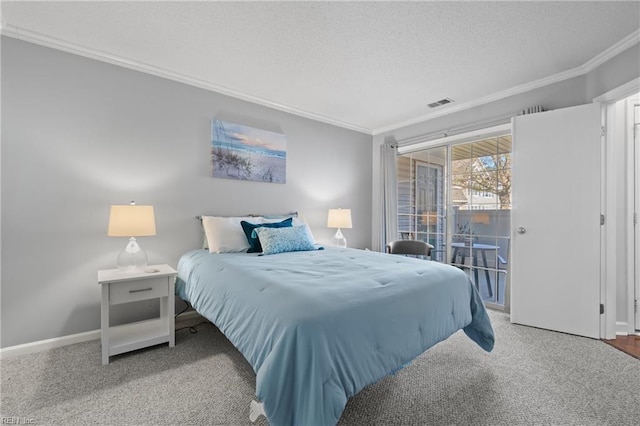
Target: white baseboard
<point x="57" y="342"/>
<point x="43" y="345"/>
<point x="622" y="328"/>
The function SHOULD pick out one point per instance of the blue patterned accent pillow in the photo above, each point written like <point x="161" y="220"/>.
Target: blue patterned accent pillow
<point x="280" y="240"/>
<point x="250" y="228"/>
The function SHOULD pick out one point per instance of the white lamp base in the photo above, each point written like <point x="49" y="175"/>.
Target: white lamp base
<point x="339" y="240"/>
<point x="132" y="257"/>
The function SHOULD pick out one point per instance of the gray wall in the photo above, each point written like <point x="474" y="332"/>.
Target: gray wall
<point x="79" y="135"/>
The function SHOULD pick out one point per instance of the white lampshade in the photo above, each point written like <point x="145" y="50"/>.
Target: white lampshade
<point x="339" y="218"/>
<point x="131" y="221"/>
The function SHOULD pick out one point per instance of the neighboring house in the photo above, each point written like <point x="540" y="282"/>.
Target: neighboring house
<point x="478" y="200"/>
<point x="459" y="196"/>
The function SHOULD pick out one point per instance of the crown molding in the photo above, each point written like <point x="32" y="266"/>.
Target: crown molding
<point x="59" y="44"/>
<point x="624" y="44"/>
<point x="627" y="42"/>
<point x="565" y="75"/>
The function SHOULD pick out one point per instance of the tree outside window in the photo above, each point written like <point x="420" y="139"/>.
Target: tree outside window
<point x="485" y="174"/>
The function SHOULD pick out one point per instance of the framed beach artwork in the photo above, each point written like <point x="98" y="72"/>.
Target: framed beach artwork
<point x="246" y="153"/>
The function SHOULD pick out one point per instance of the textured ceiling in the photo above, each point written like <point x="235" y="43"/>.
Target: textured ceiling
<point x="369" y="66"/>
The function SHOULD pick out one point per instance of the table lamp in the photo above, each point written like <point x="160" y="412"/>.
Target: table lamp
<point x="131" y="221"/>
<point x="339" y="218"/>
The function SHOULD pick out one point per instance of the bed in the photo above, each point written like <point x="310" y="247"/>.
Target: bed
<point x="317" y="326"/>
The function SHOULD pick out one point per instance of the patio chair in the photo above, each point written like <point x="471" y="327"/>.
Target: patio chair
<point x="410" y="248"/>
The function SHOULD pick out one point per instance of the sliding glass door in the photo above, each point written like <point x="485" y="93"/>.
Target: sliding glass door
<point x="457" y="197"/>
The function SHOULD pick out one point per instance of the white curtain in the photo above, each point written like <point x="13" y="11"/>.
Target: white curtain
<point x="389" y="195"/>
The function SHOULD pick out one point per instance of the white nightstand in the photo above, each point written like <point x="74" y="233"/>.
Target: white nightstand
<point x="155" y="282"/>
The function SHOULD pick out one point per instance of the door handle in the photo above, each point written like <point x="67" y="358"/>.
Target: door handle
<point x="522" y="230"/>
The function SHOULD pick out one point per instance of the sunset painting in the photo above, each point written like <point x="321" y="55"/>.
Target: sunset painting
<point x="246" y="153"/>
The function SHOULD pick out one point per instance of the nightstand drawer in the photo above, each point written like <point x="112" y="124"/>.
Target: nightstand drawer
<point x="132" y="291"/>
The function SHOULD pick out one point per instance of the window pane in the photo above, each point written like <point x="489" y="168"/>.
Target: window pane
<point x="503" y="222"/>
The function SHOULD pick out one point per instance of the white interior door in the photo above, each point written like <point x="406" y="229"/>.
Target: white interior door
<point x="555" y="282"/>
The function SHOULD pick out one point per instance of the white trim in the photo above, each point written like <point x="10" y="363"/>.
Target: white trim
<point x="87" y="52"/>
<point x="43" y="345"/>
<point x="58" y="342"/>
<point x="608" y="232"/>
<point x="627" y="42"/>
<point x="629" y="88"/>
<point x="616" y="134"/>
<point x="415" y="144"/>
<point x="565" y="75"/>
<point x="59" y="44"/>
<point x="622" y="328"/>
<point x="633" y="204"/>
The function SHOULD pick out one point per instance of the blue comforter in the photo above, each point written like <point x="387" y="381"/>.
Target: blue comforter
<point x="318" y="326"/>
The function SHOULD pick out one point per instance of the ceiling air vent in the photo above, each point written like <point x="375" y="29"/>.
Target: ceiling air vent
<point x="440" y="103"/>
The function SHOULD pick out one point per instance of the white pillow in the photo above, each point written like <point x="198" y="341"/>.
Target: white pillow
<point x="225" y="234"/>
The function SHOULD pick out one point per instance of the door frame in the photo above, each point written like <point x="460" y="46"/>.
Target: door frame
<point x="608" y="325"/>
<point x="633" y="243"/>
